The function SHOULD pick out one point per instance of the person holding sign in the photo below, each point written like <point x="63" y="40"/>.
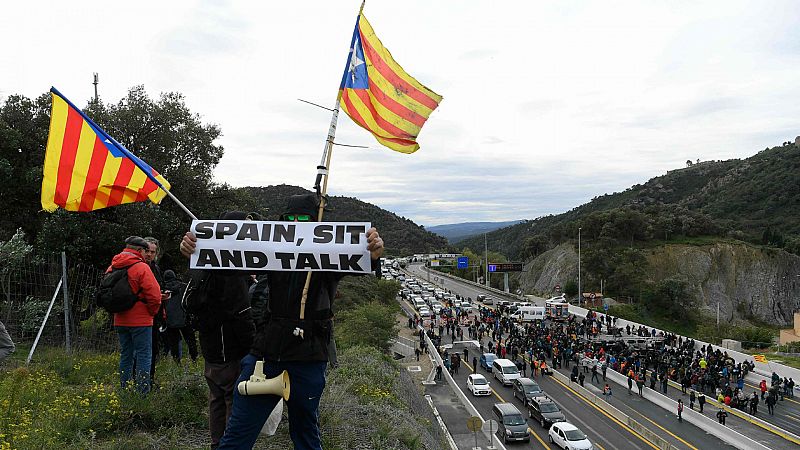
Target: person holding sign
<point x="288" y="342"/>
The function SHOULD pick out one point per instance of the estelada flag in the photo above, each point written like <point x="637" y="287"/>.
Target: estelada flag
<point x="380" y="96"/>
<point x="86" y="169"/>
<point x="760" y="358"/>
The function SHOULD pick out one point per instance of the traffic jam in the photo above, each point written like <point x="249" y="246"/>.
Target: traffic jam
<point x="466" y="332"/>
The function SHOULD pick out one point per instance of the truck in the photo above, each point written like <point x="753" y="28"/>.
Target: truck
<point x="557" y="308"/>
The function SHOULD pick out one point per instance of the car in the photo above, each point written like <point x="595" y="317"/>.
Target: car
<point x="477" y="384"/>
<point x="425" y="312"/>
<point x="481" y="297"/>
<point x="567" y="436"/>
<point x="526" y="389"/>
<point x="488" y="301"/>
<point x="505" y="371"/>
<point x="486" y="361"/>
<point x="511" y="425"/>
<point x="545" y="411"/>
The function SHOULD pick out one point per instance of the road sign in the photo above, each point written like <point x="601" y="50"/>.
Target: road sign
<point x="474" y="423"/>
<point x="505" y="267"/>
<point x="463" y="262"/>
<point x="434" y="263"/>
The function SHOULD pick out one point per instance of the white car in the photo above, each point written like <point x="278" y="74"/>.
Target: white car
<point x="567" y="436"/>
<point x="478" y="385"/>
<point x="425" y="312"/>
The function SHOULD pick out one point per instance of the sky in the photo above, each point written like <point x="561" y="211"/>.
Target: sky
<point x="547" y="104"/>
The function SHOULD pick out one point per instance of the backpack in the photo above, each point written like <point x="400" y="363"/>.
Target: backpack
<point x="115" y="294"/>
<point x="195" y="300"/>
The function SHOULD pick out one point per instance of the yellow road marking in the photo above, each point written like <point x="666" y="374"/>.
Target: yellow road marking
<point x="538" y="438"/>
<point x="784" y="397"/>
<point x="600" y="447"/>
<point x="663" y="429"/>
<point x="745" y="417"/>
<point x="605" y="413"/>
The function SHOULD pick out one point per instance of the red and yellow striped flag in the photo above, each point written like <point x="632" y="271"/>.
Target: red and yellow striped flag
<point x="380" y="96"/>
<point x="86" y="169"/>
<point x="760" y="358"/>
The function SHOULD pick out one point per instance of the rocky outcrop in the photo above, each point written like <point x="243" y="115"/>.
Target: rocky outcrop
<point x="556" y="266"/>
<point x="749" y="282"/>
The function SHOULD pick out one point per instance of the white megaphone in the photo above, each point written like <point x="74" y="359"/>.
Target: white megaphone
<point x="258" y="384"/>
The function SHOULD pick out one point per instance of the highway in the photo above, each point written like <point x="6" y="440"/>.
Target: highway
<point x="603" y="430"/>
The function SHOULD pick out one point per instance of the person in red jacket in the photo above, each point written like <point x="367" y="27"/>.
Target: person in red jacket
<point x="133" y="326"/>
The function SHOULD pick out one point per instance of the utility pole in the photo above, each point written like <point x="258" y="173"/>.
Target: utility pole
<point x="96" y="80"/>
<point x="486" y="253"/>
<point x="580" y="292"/>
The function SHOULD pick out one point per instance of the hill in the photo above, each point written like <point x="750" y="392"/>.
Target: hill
<point x="456" y="232"/>
<point x="402" y="236"/>
<point x="756" y="200"/>
<point x="751" y="202"/>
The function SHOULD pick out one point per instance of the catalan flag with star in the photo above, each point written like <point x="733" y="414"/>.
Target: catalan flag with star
<point x="86" y="169"/>
<point x="380" y="96"/>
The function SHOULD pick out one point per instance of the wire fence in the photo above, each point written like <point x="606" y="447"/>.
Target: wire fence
<point x="28" y="286"/>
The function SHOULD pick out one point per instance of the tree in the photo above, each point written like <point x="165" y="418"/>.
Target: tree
<point x="171" y="139"/>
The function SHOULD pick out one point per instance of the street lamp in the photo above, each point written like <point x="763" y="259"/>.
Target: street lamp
<point x="580" y="292"/>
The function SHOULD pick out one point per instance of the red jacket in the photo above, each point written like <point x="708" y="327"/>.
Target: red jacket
<point x="142" y="281"/>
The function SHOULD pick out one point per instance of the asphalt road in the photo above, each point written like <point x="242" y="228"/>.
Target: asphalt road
<point x="603" y="430"/>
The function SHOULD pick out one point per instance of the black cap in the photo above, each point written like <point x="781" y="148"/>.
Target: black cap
<point x="240" y="215"/>
<point x="303" y="204"/>
<point x="136" y="241"/>
<point x="169" y="275"/>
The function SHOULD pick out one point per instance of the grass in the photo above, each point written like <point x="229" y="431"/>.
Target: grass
<point x="75" y="402"/>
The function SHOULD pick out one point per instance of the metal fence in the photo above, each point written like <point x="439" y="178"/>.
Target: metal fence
<point x="29" y="285"/>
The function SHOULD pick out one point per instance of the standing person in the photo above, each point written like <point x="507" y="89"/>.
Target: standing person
<point x="605" y="368"/>
<point x="177" y="325"/>
<point x="581" y="377"/>
<point x="134" y="327"/>
<point x="701" y="400"/>
<point x="474" y="364"/>
<point x="680" y="410"/>
<point x="721" y="415"/>
<point x="150" y="255"/>
<point x="303" y="355"/>
<point x="6" y="344"/>
<point x="640" y="384"/>
<point x="771" y="400"/>
<point x="630" y="382"/>
<point x="220" y="303"/>
<point x="594" y="374"/>
<point x="692" y="398"/>
<point x="763" y="387"/>
<point x="607" y="392"/>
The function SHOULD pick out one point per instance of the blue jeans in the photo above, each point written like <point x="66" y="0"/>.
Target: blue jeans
<point x="307" y="381"/>
<point x="136" y="344"/>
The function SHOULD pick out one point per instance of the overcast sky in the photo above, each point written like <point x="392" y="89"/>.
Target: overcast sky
<point x="546" y="104"/>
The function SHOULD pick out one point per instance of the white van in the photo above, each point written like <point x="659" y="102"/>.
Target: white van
<point x="505" y="371"/>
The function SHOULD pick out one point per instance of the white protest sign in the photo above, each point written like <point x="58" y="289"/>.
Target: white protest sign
<point x="259" y="245"/>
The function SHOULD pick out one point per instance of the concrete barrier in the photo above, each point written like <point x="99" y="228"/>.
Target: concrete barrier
<point x="724" y="433"/>
<point x="458" y="392"/>
<point x="442" y="425"/>
<point x="763" y="369"/>
<point x="620" y="416"/>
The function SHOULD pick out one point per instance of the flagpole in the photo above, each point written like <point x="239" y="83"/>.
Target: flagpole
<point x="183" y="207"/>
<point x="323" y="173"/>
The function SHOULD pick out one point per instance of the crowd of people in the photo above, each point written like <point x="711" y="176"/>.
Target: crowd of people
<point x="593" y="344"/>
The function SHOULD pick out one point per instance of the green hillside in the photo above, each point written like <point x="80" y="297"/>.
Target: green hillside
<point x="755" y="200"/>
